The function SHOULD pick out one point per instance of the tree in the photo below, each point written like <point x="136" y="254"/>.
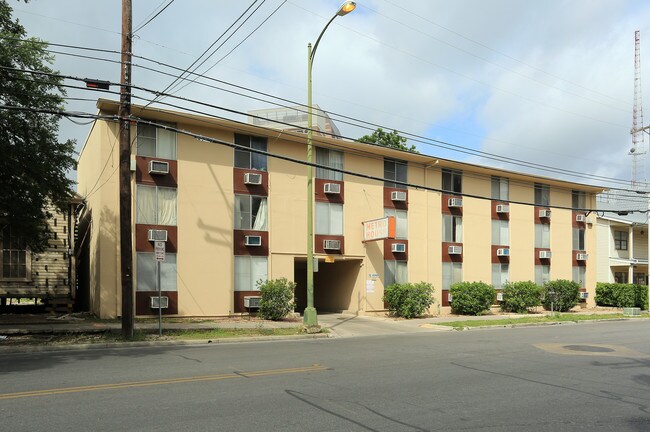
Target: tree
<point x="34" y="163"/>
<point x="387" y="139"/>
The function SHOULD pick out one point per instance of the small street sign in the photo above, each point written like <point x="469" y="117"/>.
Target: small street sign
<point x="159" y="250"/>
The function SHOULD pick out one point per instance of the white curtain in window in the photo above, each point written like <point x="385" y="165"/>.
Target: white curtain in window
<point x="166" y="206"/>
<point x="146" y="204"/>
<point x="259" y="271"/>
<point x="166" y="144"/>
<point x="261" y="217"/>
<point x="401" y="272"/>
<point x="146" y="272"/>
<point x="336" y="219"/>
<point x="146" y="140"/>
<point x="168" y="273"/>
<point x="322" y="218"/>
<point x="242" y="273"/>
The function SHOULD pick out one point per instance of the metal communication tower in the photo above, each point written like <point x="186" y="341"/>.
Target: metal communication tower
<point x="638" y="150"/>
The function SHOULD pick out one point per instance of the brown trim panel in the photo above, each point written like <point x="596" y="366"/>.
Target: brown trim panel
<point x="142" y="243"/>
<point x="142" y="303"/>
<point x="499" y="259"/>
<point x="240" y="249"/>
<point x="142" y="172"/>
<point x="398" y="205"/>
<point x="321" y="196"/>
<point x="240" y="187"/>
<point x="499" y="216"/>
<point x="395" y="256"/>
<point x="239" y="300"/>
<point x="539" y="261"/>
<point x="543" y="221"/>
<point x="444" y="204"/>
<point x="451" y="258"/>
<point x="318" y="244"/>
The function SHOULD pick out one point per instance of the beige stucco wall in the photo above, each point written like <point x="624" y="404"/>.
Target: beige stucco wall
<point x="522" y="233"/>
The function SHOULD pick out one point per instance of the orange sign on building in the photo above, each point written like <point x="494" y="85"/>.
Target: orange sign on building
<point x="379" y="229"/>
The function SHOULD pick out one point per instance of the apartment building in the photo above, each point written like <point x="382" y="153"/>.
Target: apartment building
<point x="232" y="216"/>
<point x="623" y="248"/>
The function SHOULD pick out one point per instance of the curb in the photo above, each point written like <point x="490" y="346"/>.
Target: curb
<point x="546" y="324"/>
<point x="187" y="342"/>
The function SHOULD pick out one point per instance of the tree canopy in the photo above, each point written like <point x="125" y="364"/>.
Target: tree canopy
<point x="34" y="163"/>
<point x="387" y="139"/>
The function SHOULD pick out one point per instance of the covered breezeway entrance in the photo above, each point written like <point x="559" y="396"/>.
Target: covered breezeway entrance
<point x="334" y="285"/>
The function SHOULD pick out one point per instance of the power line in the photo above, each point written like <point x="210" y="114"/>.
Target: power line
<point x="140" y="27"/>
<point x="441" y="144"/>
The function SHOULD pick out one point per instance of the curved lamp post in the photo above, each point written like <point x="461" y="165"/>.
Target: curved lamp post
<point x="310" y="318"/>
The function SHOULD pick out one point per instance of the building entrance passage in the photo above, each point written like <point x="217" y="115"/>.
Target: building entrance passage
<point x="333" y="285"/>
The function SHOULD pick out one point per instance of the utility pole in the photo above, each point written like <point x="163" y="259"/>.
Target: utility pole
<point x="126" y="249"/>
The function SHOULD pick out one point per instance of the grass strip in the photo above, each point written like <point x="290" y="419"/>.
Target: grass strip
<point x="555" y="318"/>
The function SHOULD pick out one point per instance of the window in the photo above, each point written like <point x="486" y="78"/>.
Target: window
<point x="500" y="233"/>
<point x="579" y="239"/>
<point x="500" y="275"/>
<point x="578" y="200"/>
<point x="248" y="271"/>
<point x="332" y="159"/>
<point x="542" y="274"/>
<point x="500" y="188"/>
<point x="452" y="180"/>
<point x="247" y="159"/>
<point x="620" y="240"/>
<point x="620" y="277"/>
<point x="156" y="142"/>
<point x="329" y="218"/>
<point x="146" y="272"/>
<point x="250" y="212"/>
<point x="452" y="273"/>
<point x="15" y="257"/>
<point x="542" y="236"/>
<point x="401" y="222"/>
<point x="395" y="272"/>
<point x="542" y="194"/>
<point x="639" y="279"/>
<point x="579" y="275"/>
<point x="155" y="205"/>
<point x="394" y="170"/>
<point x="452" y="229"/>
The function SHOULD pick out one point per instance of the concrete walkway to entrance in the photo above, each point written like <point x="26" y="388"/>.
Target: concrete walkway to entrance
<point x="349" y="325"/>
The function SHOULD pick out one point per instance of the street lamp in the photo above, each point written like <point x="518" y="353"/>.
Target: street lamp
<point x="310" y="318"/>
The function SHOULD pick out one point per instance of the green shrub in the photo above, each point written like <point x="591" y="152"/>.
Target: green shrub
<point x="560" y="295"/>
<point x="471" y="298"/>
<point x="621" y="295"/>
<point x="277" y="298"/>
<point x="520" y="296"/>
<point x="409" y="300"/>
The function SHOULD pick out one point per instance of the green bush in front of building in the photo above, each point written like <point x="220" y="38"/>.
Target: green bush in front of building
<point x="518" y="297"/>
<point x="408" y="300"/>
<point x="560" y="295"/>
<point x="471" y="298"/>
<point x="621" y="295"/>
<point x="277" y="298"/>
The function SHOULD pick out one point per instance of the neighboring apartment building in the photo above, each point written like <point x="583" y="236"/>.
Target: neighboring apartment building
<point x="233" y="217"/>
<point x="48" y="275"/>
<point x="623" y="248"/>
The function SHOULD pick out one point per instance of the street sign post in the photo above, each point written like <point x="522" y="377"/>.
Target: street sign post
<point x="159" y="256"/>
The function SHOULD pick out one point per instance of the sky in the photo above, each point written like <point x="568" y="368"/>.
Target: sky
<point x="547" y="82"/>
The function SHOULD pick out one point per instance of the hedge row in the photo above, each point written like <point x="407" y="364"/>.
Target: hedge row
<point x="621" y="295"/>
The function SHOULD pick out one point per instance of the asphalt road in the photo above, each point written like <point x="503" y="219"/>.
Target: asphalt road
<point x="593" y="377"/>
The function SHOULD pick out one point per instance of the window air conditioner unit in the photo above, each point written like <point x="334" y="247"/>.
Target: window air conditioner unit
<point x="544" y="213"/>
<point x="398" y="196"/>
<point x="544" y="254"/>
<point x="503" y="208"/>
<point x="252" y="240"/>
<point x="157" y="235"/>
<point x="499" y="296"/>
<point x="159" y="302"/>
<point x="581" y="218"/>
<point x="252" y="302"/>
<point x="252" y="179"/>
<point x="332" y="244"/>
<point x="332" y="188"/>
<point x="582" y="257"/>
<point x="455" y="202"/>
<point x="449" y="297"/>
<point x="398" y="247"/>
<point x="158" y="167"/>
<point x="504" y="252"/>
<point x="455" y="250"/>
<point x="584" y="295"/>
